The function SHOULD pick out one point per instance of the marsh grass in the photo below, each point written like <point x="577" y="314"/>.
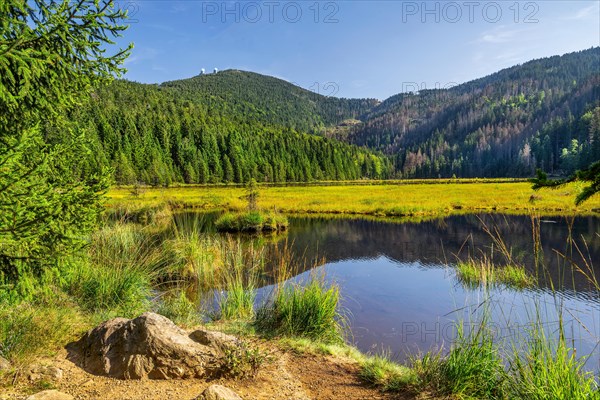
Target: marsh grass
<point x="239" y="278"/>
<point x="176" y="305"/>
<point x="194" y="256"/>
<point x="474" y="273"/>
<point x="545" y="368"/>
<point x="309" y="311"/>
<point x="144" y="214"/>
<point x="31" y="329"/>
<point x="236" y="301"/>
<point x="471" y="369"/>
<point x="119" y="272"/>
<point x="418" y="197"/>
<point x="252" y="221"/>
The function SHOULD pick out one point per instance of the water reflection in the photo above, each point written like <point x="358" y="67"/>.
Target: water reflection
<point x="441" y="242"/>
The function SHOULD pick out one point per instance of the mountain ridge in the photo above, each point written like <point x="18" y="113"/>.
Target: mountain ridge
<point x="235" y="125"/>
<point x="492" y="126"/>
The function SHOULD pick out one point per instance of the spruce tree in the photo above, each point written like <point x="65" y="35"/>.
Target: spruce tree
<point x="52" y="54"/>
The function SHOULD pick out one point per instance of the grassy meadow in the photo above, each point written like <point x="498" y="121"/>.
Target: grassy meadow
<point x="392" y="198"/>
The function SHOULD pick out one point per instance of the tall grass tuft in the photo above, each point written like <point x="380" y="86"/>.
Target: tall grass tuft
<point x="303" y="311"/>
<point x="474" y="273"/>
<point x="118" y="274"/>
<point x="471" y="369"/>
<point x="176" y="306"/>
<point x="194" y="256"/>
<point x="239" y="280"/>
<point x="543" y="368"/>
<point x="31" y="329"/>
<point x="236" y="301"/>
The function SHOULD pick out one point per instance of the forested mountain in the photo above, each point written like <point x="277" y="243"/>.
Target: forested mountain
<point x="251" y="96"/>
<point x="197" y="132"/>
<point x="542" y="114"/>
<point x="233" y="125"/>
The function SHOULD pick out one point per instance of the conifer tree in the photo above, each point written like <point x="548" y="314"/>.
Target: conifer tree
<point x="52" y="53"/>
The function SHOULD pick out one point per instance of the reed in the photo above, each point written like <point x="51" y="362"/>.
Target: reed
<point x="474" y="273"/>
<point x="239" y="280"/>
<point x="309" y="311"/>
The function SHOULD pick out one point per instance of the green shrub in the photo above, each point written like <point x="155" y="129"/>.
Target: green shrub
<point x="242" y="360"/>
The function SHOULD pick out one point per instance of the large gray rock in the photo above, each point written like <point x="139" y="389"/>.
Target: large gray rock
<point x="50" y="395"/>
<point x="148" y="346"/>
<point x="219" y="392"/>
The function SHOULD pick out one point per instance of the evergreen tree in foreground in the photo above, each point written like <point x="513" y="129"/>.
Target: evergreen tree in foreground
<point x="52" y="54"/>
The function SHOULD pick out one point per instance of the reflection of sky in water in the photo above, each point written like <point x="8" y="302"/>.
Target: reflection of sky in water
<point x="405" y="308"/>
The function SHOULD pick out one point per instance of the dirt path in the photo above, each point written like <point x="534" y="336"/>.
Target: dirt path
<point x="288" y="376"/>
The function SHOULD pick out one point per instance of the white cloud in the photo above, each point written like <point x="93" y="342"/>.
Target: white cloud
<point x="141" y="54"/>
<point x="499" y="35"/>
<point x="591" y="11"/>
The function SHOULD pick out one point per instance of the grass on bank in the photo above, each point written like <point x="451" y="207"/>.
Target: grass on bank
<point x="471" y="369"/>
<point x="545" y="368"/>
<point x="239" y="281"/>
<point x="310" y="311"/>
<point x="402" y="198"/>
<point x="389" y="376"/>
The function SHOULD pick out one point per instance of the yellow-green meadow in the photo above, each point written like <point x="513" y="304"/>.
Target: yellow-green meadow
<point x="392" y="198"/>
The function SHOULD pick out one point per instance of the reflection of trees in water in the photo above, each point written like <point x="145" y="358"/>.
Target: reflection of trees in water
<point x="458" y="237"/>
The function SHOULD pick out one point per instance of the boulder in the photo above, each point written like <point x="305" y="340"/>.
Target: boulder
<point x="218" y="341"/>
<point x="219" y="392"/>
<point x="150" y="346"/>
<point x="50" y="395"/>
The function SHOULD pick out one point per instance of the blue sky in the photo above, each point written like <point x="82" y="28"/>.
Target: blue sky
<point x="353" y="48"/>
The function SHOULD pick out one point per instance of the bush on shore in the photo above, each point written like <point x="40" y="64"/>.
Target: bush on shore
<point x="252" y="222"/>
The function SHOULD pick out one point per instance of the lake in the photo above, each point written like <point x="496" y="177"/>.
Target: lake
<point x="402" y="295"/>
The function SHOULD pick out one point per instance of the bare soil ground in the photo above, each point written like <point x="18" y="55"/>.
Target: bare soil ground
<point x="287" y="376"/>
